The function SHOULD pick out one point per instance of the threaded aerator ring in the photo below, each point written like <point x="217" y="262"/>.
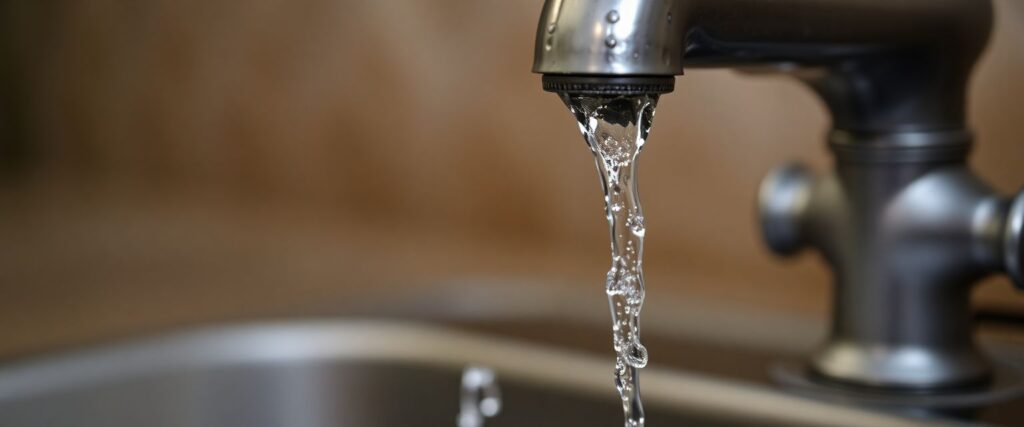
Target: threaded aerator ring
<point x="607" y="85"/>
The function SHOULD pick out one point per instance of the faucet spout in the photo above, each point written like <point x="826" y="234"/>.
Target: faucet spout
<point x="660" y="37"/>
<point x="889" y="65"/>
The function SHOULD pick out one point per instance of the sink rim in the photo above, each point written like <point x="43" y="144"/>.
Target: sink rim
<point x="423" y="344"/>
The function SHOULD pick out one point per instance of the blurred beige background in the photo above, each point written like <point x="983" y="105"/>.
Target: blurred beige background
<point x="170" y="163"/>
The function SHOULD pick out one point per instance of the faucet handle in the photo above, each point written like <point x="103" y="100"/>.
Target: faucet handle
<point x="783" y="199"/>
<point x="1013" y="242"/>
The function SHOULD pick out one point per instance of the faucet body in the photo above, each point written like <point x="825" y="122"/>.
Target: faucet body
<point x="906" y="233"/>
<point x="904" y="225"/>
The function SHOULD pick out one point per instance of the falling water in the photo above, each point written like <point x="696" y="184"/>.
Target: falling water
<point x="615" y="128"/>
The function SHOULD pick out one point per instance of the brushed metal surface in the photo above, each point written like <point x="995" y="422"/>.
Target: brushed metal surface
<point x="903" y="223"/>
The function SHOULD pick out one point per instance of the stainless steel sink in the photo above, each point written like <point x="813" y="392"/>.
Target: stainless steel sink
<point x="374" y="373"/>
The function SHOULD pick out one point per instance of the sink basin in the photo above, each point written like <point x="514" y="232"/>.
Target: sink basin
<point x="374" y="373"/>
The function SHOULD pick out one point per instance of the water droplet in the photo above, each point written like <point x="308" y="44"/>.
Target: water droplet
<point x="548" y="43"/>
<point x="610" y="41"/>
<point x="636" y="55"/>
<point x="613" y="16"/>
<point x="670" y="17"/>
<point x="480" y="397"/>
<point x="552" y="27"/>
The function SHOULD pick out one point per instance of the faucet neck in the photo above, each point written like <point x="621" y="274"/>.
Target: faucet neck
<point x="908" y="91"/>
<point x="911" y="147"/>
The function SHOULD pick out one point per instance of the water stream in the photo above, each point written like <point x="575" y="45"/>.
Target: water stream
<point x="615" y="128"/>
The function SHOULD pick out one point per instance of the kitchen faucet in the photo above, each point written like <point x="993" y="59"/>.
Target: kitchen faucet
<point x="903" y="223"/>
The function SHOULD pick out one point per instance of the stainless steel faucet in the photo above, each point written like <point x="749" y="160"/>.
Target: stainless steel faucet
<point x="905" y="226"/>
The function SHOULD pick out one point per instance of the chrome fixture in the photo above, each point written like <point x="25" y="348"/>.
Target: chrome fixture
<point x="905" y="226"/>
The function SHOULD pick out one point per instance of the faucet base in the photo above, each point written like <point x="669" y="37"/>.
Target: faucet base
<point x="901" y="368"/>
<point x="1006" y="384"/>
